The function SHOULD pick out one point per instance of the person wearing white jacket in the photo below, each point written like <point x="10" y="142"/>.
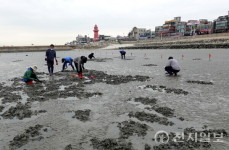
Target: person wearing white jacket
<point x="172" y="67"/>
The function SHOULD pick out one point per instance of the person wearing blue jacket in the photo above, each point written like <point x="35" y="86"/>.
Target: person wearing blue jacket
<point x="67" y="60"/>
<point x="123" y="53"/>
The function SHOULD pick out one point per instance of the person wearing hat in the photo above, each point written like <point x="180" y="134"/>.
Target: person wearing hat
<point x="172" y="67"/>
<point x="49" y="57"/>
<point x="65" y="61"/>
<point x="123" y="53"/>
<point x="30" y="75"/>
<point x="91" y="56"/>
<point x="79" y="64"/>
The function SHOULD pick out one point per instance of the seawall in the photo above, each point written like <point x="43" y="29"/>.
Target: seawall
<point x="10" y="49"/>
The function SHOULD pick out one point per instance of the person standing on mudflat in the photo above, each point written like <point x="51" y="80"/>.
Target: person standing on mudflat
<point x="50" y="56"/>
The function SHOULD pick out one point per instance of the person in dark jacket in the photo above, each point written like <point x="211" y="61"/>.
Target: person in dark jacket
<point x="123" y="53"/>
<point x="79" y="64"/>
<point x="49" y="57"/>
<point x="30" y="75"/>
<point x="91" y="56"/>
<point x="67" y="60"/>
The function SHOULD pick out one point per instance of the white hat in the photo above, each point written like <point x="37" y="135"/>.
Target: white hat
<point x="34" y="68"/>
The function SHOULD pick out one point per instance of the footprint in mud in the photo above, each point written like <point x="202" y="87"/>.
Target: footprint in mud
<point x="199" y="82"/>
<point x="150" y="65"/>
<point x="82" y="115"/>
<point x="129" y="128"/>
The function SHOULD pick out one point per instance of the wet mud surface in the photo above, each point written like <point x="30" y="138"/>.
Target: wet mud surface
<point x="111" y="144"/>
<point x="162" y="88"/>
<point x="143" y="116"/>
<point x="20" y="111"/>
<point x="199" y="82"/>
<point x="1" y="108"/>
<point x="82" y="115"/>
<point x="137" y="124"/>
<point x="34" y="133"/>
<point x="113" y="79"/>
<point x="100" y="59"/>
<point x="68" y="147"/>
<point x="190" y="139"/>
<point x="129" y="128"/>
<point x="168" y="112"/>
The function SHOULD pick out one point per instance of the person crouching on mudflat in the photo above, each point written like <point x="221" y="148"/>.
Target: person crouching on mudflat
<point x="91" y="56"/>
<point x="79" y="64"/>
<point x="172" y="67"/>
<point x="30" y="75"/>
<point x="65" y="61"/>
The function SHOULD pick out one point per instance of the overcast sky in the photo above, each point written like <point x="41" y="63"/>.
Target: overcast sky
<point x="42" y="22"/>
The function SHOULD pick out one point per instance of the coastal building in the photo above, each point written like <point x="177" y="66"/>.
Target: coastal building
<point x="106" y="38"/>
<point x="138" y="33"/>
<point x="221" y="24"/>
<point x="204" y="27"/>
<point x="82" y="39"/>
<point x="168" y="29"/>
<point x="191" y="27"/>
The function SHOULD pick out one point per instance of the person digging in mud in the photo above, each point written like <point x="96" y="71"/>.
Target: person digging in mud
<point x="90" y="56"/>
<point x="123" y="53"/>
<point x="65" y="61"/>
<point x="30" y="75"/>
<point x="172" y="67"/>
<point x="49" y="57"/>
<point x="79" y="64"/>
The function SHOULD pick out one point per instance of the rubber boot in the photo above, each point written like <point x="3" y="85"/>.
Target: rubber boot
<point x="29" y="82"/>
<point x="82" y="75"/>
<point x="79" y="75"/>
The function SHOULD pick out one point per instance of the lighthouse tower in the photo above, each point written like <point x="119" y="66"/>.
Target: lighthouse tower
<point x="96" y="33"/>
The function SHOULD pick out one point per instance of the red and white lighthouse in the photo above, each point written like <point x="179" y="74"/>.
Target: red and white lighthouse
<point x="96" y="33"/>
